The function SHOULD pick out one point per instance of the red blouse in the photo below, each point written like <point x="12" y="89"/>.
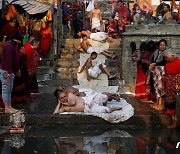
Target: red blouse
<point x="173" y="68"/>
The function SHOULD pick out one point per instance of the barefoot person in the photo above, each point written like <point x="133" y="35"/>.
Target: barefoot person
<point x="158" y="68"/>
<point x="98" y="36"/>
<point x="95" y="18"/>
<point x="172" y="81"/>
<point x="87" y="47"/>
<point x="94" y="71"/>
<point x="9" y="66"/>
<point x="92" y="103"/>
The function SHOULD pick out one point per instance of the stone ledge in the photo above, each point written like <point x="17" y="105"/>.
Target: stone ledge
<point x="80" y="120"/>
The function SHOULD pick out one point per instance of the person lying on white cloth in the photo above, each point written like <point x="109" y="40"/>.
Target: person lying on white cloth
<point x="87" y="47"/>
<point x="96" y="70"/>
<point x="84" y="92"/>
<point x="98" y="36"/>
<point x="91" y="103"/>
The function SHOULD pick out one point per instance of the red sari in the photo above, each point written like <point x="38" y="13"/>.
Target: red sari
<point x="45" y="39"/>
<point x="172" y="79"/>
<point x="142" y="89"/>
<point x="32" y="59"/>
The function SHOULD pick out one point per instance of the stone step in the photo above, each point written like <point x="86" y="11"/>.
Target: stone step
<point x="46" y="118"/>
<point x="45" y="70"/>
<point x="39" y="112"/>
<point x="67" y="63"/>
<point x="69" y="56"/>
<point x="68" y="76"/>
<point x="45" y="62"/>
<point x="61" y="70"/>
<point x="44" y="77"/>
<point x="69" y="50"/>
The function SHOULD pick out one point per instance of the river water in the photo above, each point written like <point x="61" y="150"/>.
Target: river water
<point x="53" y="140"/>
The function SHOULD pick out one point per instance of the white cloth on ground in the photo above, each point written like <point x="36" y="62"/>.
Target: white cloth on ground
<point x="95" y="70"/>
<point x="96" y="24"/>
<point x="98" y="36"/>
<point x="98" y="99"/>
<point x="97" y="50"/>
<point x="118" y="116"/>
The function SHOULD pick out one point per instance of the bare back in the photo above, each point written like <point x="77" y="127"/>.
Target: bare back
<point x="84" y="45"/>
<point x="88" y="63"/>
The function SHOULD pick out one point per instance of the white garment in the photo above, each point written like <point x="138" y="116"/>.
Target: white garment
<point x="113" y="117"/>
<point x="98" y="99"/>
<point x="96" y="24"/>
<point x="97" y="50"/>
<point x="98" y="36"/>
<point x="95" y="70"/>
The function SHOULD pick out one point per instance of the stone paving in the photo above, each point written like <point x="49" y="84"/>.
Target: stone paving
<point x="39" y="112"/>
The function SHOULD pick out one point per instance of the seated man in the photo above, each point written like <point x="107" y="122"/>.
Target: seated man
<point x="98" y="36"/>
<point x="87" y="47"/>
<point x="91" y="103"/>
<point x="94" y="71"/>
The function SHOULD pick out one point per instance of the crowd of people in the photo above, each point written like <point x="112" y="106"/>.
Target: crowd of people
<point x="22" y="45"/>
<point x="158" y="76"/>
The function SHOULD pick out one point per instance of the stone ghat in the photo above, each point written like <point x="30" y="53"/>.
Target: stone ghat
<point x="39" y="113"/>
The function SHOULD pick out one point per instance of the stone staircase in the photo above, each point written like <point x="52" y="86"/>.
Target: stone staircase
<point x="63" y="72"/>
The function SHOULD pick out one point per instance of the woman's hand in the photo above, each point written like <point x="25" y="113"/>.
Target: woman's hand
<point x="152" y="65"/>
<point x="145" y="61"/>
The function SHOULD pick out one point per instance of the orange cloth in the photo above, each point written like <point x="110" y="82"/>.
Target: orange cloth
<point x="11" y="12"/>
<point x="47" y="31"/>
<point x="49" y="15"/>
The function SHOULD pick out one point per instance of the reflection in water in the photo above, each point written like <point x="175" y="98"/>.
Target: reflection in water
<point x="17" y="141"/>
<point x="110" y="142"/>
<point x="99" y="144"/>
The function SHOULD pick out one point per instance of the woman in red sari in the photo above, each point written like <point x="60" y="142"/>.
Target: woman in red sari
<point x="172" y="80"/>
<point x="142" y="89"/>
<point x="32" y="59"/>
<point x="122" y="14"/>
<point x="45" y="37"/>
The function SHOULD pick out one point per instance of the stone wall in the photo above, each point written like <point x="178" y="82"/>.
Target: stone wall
<point x="139" y="34"/>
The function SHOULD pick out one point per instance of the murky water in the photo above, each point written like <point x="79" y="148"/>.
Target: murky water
<point x="75" y="141"/>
